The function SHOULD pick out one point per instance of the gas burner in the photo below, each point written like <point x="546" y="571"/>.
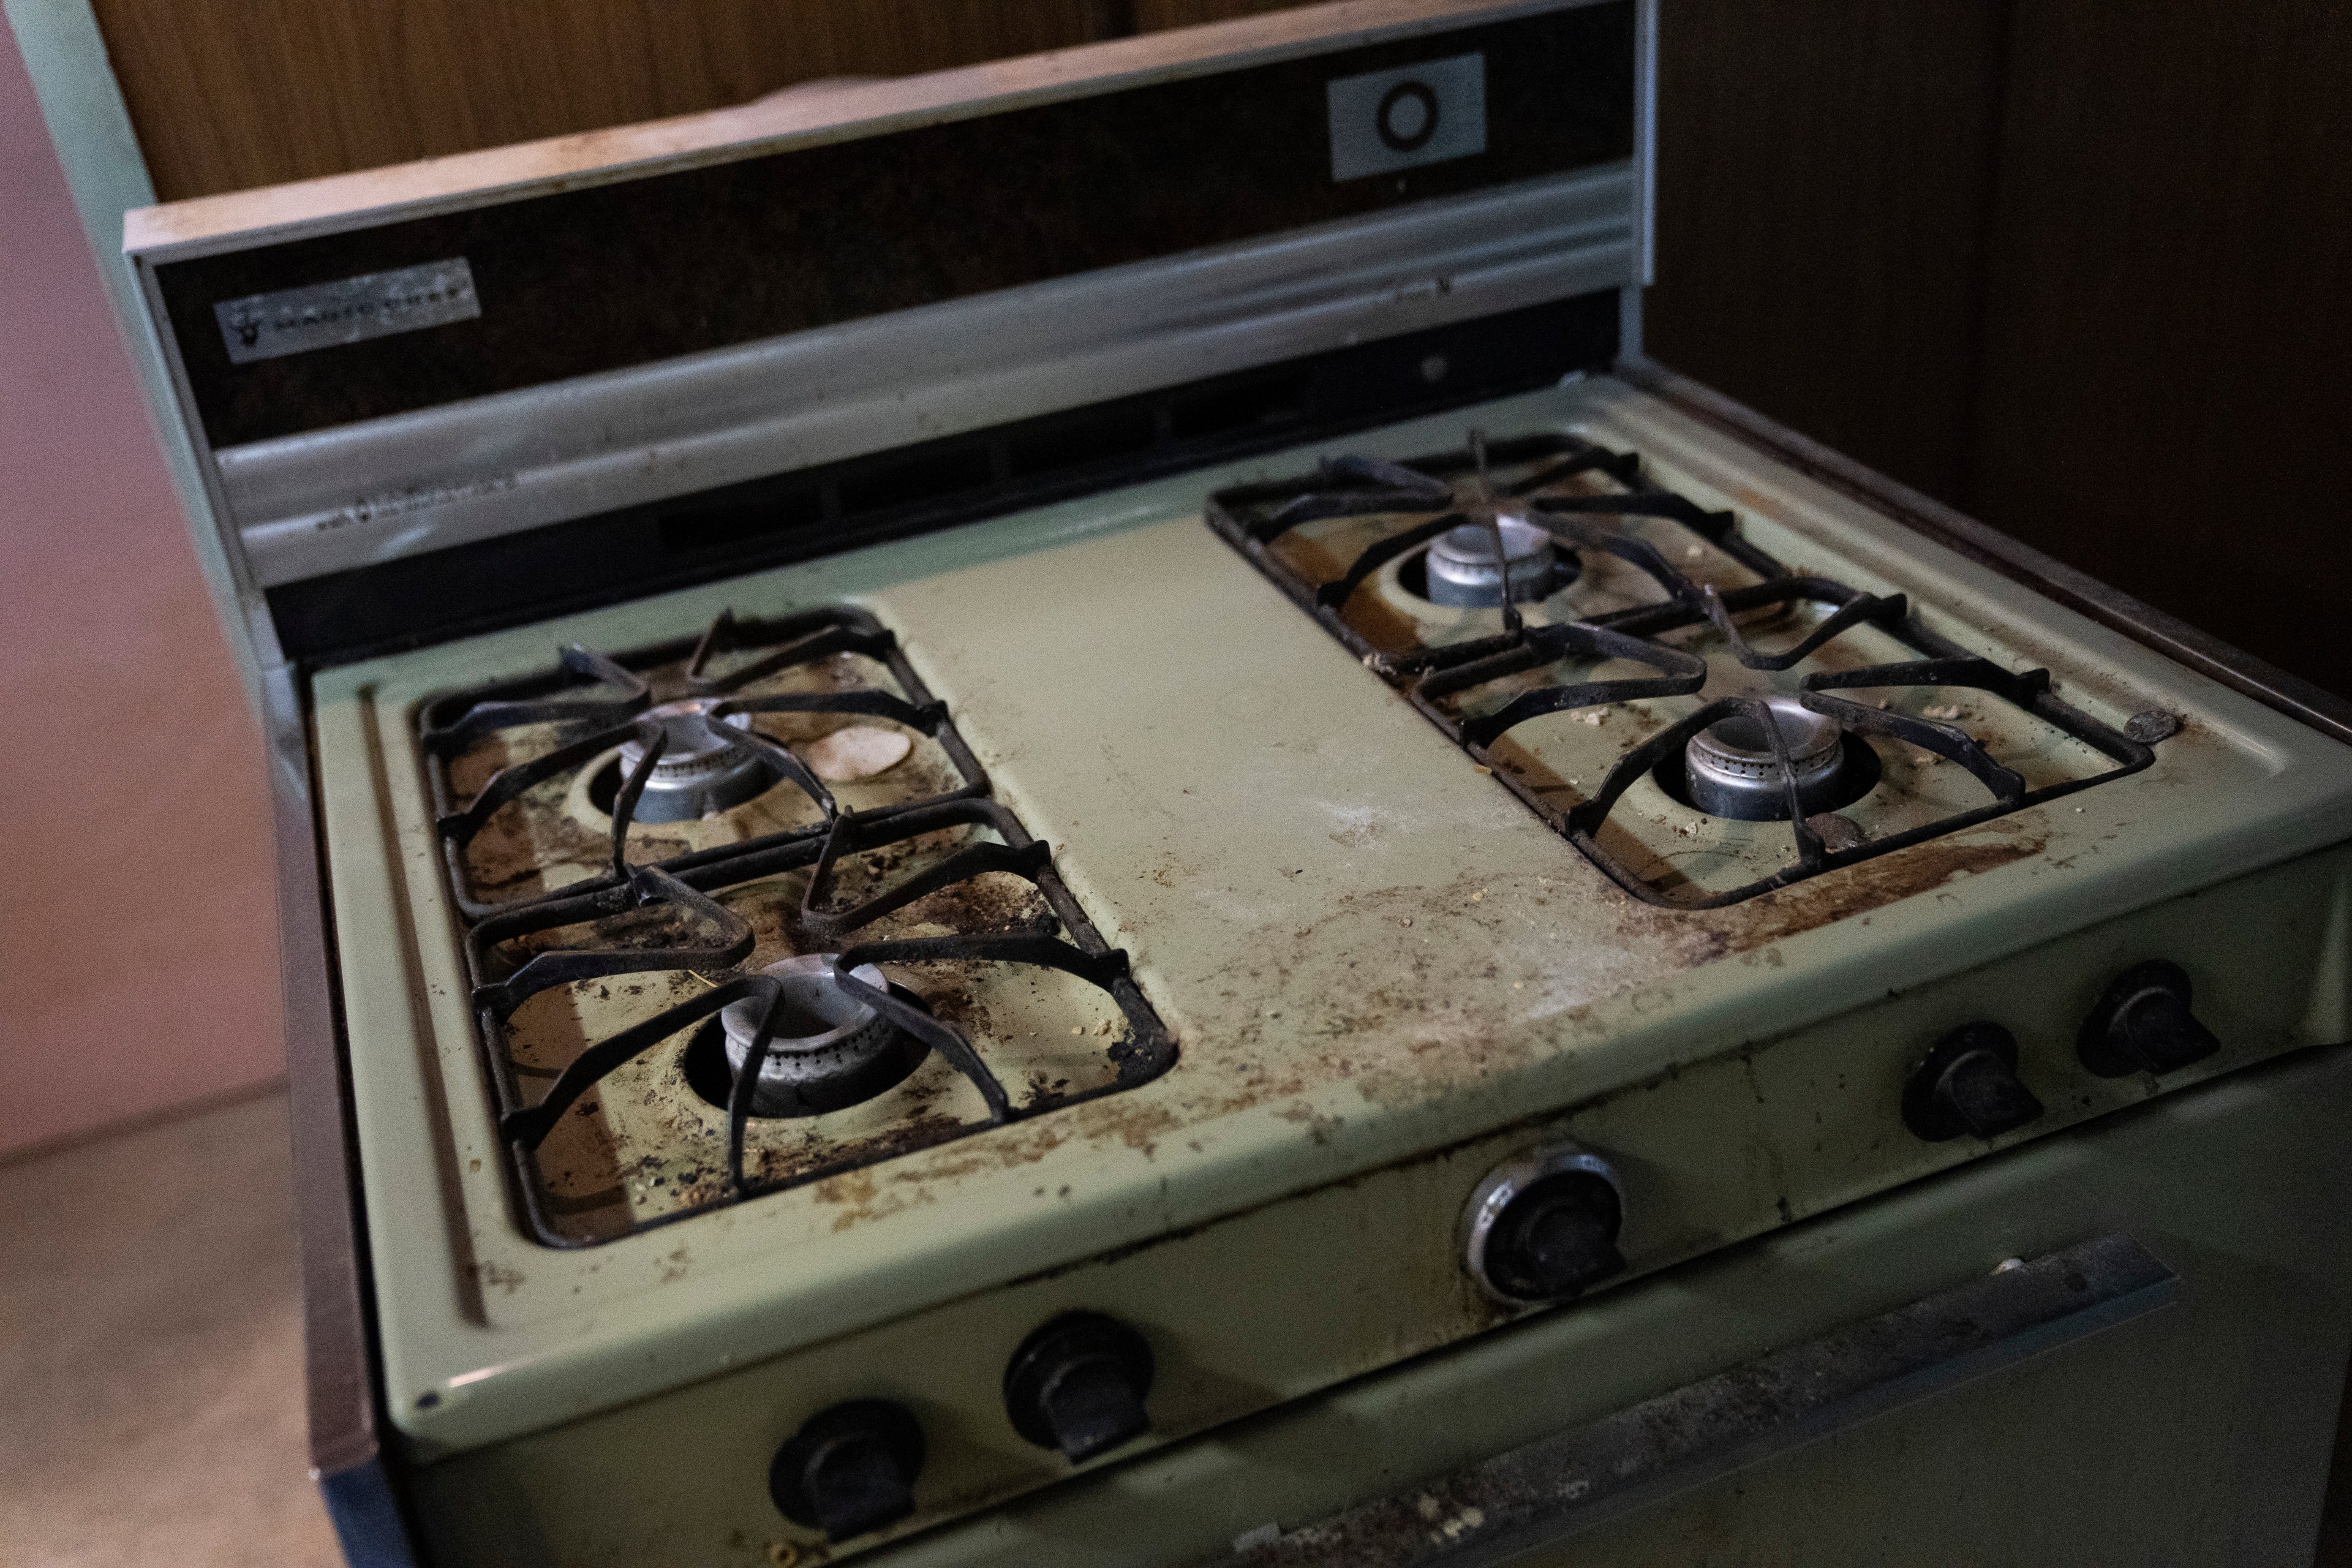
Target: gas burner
<point x="538" y="782"/>
<point x="824" y="1048"/>
<point x="700" y="771"/>
<point x="1663" y="584"/>
<point x="766" y="1010"/>
<point x="1461" y="569"/>
<point x="1731" y="767"/>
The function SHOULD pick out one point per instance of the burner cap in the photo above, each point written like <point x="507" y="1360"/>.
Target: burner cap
<point x="1460" y="562"/>
<point x="1729" y="765"/>
<point x="830" y="1049"/>
<point x="701" y="772"/>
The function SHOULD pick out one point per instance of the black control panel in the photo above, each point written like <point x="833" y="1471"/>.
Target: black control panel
<point x="687" y="260"/>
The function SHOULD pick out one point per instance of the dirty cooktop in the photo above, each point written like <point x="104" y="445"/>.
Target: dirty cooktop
<point x="1344" y="945"/>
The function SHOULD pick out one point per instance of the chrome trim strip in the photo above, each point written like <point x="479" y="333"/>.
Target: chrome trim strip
<point x="361" y="494"/>
<point x="1555" y="1487"/>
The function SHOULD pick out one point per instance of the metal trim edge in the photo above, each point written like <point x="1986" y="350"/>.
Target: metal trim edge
<point x="348" y="1458"/>
<point x="2078" y="591"/>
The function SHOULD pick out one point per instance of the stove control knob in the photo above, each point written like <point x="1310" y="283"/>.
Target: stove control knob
<point x="2143" y="1023"/>
<point x="1967" y="1083"/>
<point x="850" y="1469"/>
<point x="1543" y="1227"/>
<point x="1078" y="1386"/>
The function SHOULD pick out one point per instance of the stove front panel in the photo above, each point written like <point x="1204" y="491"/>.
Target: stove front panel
<point x="1277" y="1308"/>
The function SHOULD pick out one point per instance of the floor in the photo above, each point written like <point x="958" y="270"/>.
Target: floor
<point x="151" y="1352"/>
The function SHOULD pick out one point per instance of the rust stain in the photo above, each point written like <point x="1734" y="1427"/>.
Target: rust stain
<point x="1842" y="894"/>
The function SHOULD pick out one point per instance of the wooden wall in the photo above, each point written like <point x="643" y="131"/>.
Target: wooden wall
<point x="2079" y="269"/>
<point x="2083" y="270"/>
<point x="226" y="98"/>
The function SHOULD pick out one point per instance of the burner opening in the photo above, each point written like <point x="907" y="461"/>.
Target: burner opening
<point x="1458" y="568"/>
<point x="830" y="1050"/>
<point x="701" y="772"/>
<point x="1728" y="769"/>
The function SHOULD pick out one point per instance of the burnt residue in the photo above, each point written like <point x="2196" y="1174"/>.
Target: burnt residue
<point x="1701" y="936"/>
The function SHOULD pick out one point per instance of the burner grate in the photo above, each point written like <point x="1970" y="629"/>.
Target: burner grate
<point x="1443" y="680"/>
<point x="453" y="724"/>
<point x="870" y="886"/>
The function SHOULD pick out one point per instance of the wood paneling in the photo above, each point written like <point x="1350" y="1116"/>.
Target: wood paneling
<point x="2083" y="270"/>
<point x="1824" y="174"/>
<point x="2165" y="400"/>
<point x="228" y="98"/>
<point x="225" y="98"/>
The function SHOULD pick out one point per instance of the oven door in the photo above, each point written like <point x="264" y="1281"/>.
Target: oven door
<point x="2122" y="1346"/>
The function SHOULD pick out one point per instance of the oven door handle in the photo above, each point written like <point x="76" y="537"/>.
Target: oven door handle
<point x="1567" y="1482"/>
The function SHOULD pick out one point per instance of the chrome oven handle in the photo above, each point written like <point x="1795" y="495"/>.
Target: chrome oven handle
<point x="1557" y="1484"/>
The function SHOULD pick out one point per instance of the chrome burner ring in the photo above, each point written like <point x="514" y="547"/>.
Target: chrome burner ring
<point x="830" y="1049"/>
<point x="1462" y="570"/>
<point x="1731" y="772"/>
<point x="702" y="772"/>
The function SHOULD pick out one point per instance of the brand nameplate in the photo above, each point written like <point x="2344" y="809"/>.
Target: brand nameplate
<point x="348" y="310"/>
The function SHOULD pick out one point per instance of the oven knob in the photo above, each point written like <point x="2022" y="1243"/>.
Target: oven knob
<point x="850" y="1469"/>
<point x="1543" y="1227"/>
<point x="1967" y="1083"/>
<point x="1078" y="1386"/>
<point x="2143" y="1023"/>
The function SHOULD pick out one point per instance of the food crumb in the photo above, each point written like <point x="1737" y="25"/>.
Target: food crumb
<point x="1942" y="710"/>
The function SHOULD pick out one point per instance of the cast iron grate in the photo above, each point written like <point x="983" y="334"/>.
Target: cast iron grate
<point x="1428" y="496"/>
<point x="703" y="938"/>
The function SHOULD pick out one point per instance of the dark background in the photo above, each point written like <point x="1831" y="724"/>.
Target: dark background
<point x="2081" y="269"/>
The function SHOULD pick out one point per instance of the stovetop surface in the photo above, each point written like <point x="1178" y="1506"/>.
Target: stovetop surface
<point x="1364" y="948"/>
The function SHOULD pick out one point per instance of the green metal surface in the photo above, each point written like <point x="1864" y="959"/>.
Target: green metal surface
<point x="1257" y="819"/>
<point x="1281" y="1301"/>
<point x="2198" y="1435"/>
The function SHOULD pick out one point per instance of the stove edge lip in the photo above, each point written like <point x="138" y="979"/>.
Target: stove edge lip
<point x="1985" y="546"/>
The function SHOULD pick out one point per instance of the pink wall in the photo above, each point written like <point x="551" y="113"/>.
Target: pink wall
<point x="138" y="945"/>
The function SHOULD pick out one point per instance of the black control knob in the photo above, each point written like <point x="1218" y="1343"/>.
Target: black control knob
<point x="1555" y="1238"/>
<point x="1078" y="1386"/>
<point x="1967" y="1083"/>
<point x="2143" y="1023"/>
<point x="850" y="1469"/>
<point x="1544" y="1228"/>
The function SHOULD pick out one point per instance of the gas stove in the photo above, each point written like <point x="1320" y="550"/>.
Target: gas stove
<point x="1183" y="871"/>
